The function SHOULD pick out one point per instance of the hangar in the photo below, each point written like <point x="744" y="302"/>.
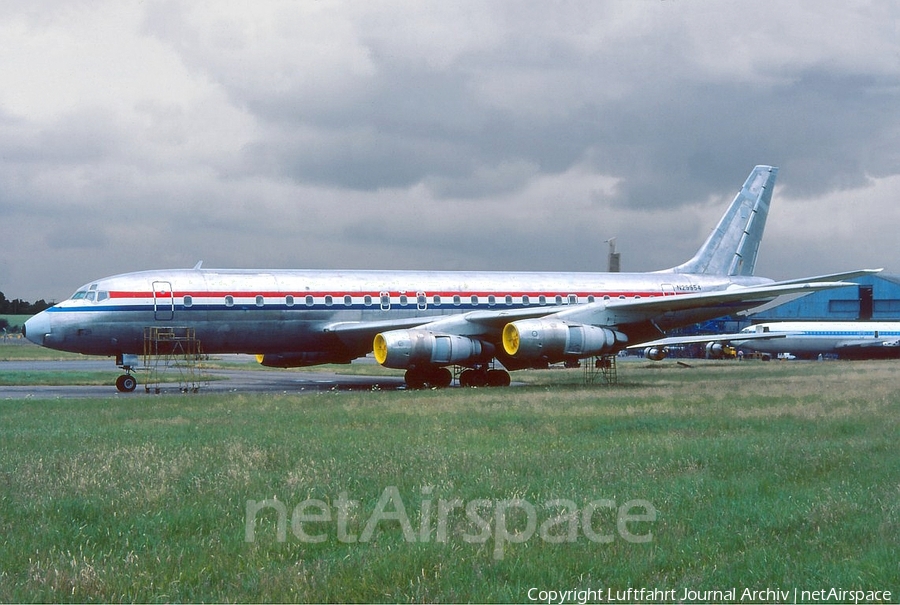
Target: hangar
<point x="875" y="298"/>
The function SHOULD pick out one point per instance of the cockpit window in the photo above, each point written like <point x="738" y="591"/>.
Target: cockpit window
<point x="79" y="295"/>
<point x="91" y="296"/>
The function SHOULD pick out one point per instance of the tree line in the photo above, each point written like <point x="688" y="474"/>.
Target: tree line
<point x="17" y="306"/>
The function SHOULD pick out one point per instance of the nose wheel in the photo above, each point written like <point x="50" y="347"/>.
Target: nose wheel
<point x="126" y="383"/>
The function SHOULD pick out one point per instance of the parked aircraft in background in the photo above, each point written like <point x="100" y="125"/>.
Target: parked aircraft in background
<point x="809" y="339"/>
<point x="796" y="339"/>
<point x="425" y="322"/>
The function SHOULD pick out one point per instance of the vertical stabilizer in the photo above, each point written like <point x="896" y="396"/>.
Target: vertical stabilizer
<point x="732" y="247"/>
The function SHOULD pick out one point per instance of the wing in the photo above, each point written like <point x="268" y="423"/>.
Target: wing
<point x="630" y="321"/>
<point x="685" y="309"/>
<point x="736" y="337"/>
<point x="474" y="323"/>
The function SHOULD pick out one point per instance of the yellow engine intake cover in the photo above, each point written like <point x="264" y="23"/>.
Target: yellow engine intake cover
<point x="379" y="347"/>
<point x="511" y="339"/>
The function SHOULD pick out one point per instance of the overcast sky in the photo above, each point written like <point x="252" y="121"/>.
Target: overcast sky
<point x="440" y="135"/>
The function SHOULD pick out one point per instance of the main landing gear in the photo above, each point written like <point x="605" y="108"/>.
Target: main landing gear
<point x="420" y="378"/>
<point x="440" y="378"/>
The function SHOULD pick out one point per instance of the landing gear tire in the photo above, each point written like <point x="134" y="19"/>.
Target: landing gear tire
<point x="471" y="378"/>
<point x="126" y="383"/>
<point x="498" y="378"/>
<point x="419" y="378"/>
<point x="442" y="378"/>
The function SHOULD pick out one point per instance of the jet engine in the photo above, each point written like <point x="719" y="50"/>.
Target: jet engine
<point x="656" y="353"/>
<point x="715" y="350"/>
<point x="555" y="340"/>
<point x="403" y="349"/>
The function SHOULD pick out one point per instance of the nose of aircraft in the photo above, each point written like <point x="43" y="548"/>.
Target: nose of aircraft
<point x="37" y="328"/>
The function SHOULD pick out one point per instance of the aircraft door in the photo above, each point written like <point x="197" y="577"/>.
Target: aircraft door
<point x="163" y="301"/>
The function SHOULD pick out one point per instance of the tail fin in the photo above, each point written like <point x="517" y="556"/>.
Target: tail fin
<point x="732" y="246"/>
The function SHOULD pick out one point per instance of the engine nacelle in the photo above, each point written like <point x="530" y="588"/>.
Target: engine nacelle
<point x="299" y="360"/>
<point x="656" y="353"/>
<point x="555" y="340"/>
<point x="715" y="350"/>
<point x="403" y="349"/>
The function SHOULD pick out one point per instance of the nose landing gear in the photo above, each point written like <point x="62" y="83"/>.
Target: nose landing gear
<point x="126" y="383"/>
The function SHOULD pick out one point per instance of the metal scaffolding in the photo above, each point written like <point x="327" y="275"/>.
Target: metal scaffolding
<point x="171" y="350"/>
<point x="601" y="371"/>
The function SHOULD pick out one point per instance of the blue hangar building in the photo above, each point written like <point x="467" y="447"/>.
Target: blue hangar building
<point x="874" y="298"/>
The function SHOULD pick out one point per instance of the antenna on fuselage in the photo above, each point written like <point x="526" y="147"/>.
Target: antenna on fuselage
<point x="198" y="265"/>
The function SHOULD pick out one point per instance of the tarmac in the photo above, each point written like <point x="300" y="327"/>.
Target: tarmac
<point x="273" y="381"/>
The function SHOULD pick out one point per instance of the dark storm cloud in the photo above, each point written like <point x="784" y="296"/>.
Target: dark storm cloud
<point x="501" y="135"/>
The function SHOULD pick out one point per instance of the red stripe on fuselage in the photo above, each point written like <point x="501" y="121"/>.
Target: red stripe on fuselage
<point x="392" y="294"/>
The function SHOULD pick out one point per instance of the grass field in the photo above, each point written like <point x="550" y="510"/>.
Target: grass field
<point x="15" y="321"/>
<point x="721" y="476"/>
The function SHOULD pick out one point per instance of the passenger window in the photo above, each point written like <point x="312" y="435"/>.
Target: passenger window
<point x="542" y="300"/>
<point x="437" y="299"/>
<point x="403" y="300"/>
<point x="289" y="300"/>
<point x="367" y="300"/>
<point x="229" y="301"/>
<point x="492" y="300"/>
<point x="188" y="301"/>
<point x="310" y="301"/>
<point x="329" y="301"/>
<point x="509" y="299"/>
<point x="456" y="300"/>
<point x="348" y="300"/>
<point x="260" y="301"/>
<point x="525" y="299"/>
<point x="474" y="299"/>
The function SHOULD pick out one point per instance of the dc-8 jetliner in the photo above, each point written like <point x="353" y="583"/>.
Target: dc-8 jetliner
<point x="807" y="339"/>
<point x="804" y="339"/>
<point x="426" y="322"/>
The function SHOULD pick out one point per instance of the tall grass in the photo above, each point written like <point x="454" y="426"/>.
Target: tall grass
<point x="760" y="475"/>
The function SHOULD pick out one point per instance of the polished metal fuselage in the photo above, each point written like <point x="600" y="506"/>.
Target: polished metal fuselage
<point x="287" y="311"/>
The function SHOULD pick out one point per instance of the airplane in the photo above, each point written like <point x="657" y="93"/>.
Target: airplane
<point x="803" y="339"/>
<point x="809" y="339"/>
<point x="487" y="322"/>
